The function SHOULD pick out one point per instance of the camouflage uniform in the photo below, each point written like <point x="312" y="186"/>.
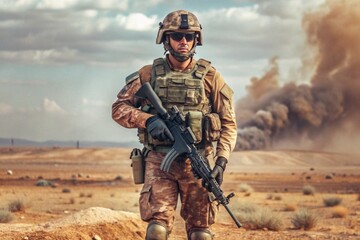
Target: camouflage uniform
<point x="160" y="192"/>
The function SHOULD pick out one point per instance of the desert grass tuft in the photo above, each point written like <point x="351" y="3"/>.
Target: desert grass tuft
<point x="255" y="217"/>
<point x="16" y="206"/>
<point x="290" y="207"/>
<point x="278" y="197"/>
<point x="261" y="219"/>
<point x="339" y="212"/>
<point x="332" y="201"/>
<point x="246" y="188"/>
<point x="5" y="216"/>
<point x="304" y="219"/>
<point x="309" y="190"/>
<point x="246" y="207"/>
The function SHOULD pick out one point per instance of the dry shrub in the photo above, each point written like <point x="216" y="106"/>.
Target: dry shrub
<point x="5" y="216"/>
<point x="332" y="201"/>
<point x="246" y="207"/>
<point x="290" y="207"/>
<point x="263" y="218"/>
<point x="339" y="212"/>
<point x="254" y="217"/>
<point x="246" y="188"/>
<point x="269" y="196"/>
<point x="16" y="206"/>
<point x="309" y="190"/>
<point x="278" y="197"/>
<point x="304" y="219"/>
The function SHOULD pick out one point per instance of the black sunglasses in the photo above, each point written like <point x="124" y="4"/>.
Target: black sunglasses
<point x="177" y="36"/>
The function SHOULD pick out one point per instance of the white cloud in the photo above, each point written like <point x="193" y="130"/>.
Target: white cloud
<point x="137" y="21"/>
<point x="53" y="4"/>
<point x="40" y="56"/>
<point x="51" y="106"/>
<point x="19" y="5"/>
<point x="94" y="103"/>
<point x="112" y="4"/>
<point x="5" y="108"/>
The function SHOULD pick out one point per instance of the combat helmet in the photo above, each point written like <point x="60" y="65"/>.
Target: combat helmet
<point x="179" y="21"/>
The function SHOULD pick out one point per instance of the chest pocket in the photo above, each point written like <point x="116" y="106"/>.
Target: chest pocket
<point x="179" y="89"/>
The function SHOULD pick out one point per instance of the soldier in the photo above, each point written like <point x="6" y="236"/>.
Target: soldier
<point x="199" y="91"/>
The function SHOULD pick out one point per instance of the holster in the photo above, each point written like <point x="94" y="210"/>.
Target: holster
<point x="138" y="165"/>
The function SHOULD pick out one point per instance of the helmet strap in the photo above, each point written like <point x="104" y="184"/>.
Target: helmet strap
<point x="181" y="57"/>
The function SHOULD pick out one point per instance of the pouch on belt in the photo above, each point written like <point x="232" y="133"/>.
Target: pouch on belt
<point x="138" y="165"/>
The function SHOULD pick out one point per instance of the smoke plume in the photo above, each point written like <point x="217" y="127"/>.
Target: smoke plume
<point x="323" y="114"/>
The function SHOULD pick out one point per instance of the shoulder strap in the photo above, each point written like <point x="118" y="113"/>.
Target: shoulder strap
<point x="203" y="66"/>
<point x="132" y="77"/>
<point x="158" y="69"/>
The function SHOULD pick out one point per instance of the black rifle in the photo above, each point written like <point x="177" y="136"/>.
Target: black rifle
<point x="184" y="144"/>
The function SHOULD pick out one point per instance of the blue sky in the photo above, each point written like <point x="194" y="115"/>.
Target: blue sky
<point x="63" y="62"/>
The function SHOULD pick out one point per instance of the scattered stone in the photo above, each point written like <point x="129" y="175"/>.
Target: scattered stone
<point x="66" y="212"/>
<point x="9" y="172"/>
<point x="43" y="183"/>
<point x="118" y="178"/>
<point x="96" y="237"/>
<point x="26" y="238"/>
<point x="66" y="190"/>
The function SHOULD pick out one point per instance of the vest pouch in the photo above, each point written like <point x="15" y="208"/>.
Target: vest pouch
<point x="212" y="127"/>
<point x="194" y="121"/>
<point x="138" y="165"/>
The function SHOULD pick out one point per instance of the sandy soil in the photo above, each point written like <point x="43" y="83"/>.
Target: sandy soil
<point x="92" y="194"/>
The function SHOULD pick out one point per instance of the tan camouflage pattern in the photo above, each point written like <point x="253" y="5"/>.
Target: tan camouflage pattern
<point x="159" y="196"/>
<point x="172" y="22"/>
<point x="125" y="109"/>
<point x="160" y="191"/>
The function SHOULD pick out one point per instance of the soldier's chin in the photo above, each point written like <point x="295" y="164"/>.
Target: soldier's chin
<point x="183" y="52"/>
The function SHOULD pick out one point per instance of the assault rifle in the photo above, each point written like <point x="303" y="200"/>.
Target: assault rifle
<point x="184" y="144"/>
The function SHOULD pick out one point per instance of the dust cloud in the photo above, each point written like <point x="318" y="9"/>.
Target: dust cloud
<point x="321" y="115"/>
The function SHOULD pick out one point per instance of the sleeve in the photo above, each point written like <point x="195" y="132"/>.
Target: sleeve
<point x="125" y="110"/>
<point x="222" y="101"/>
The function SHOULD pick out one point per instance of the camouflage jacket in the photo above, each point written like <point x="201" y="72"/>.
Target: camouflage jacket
<point x="126" y="112"/>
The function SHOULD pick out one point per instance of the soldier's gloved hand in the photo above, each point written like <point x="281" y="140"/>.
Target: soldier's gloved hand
<point x="157" y="128"/>
<point x="217" y="172"/>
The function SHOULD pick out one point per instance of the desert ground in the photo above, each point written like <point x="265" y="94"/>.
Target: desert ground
<point x="92" y="195"/>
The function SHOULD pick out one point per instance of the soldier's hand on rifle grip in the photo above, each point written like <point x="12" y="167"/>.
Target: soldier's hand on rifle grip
<point x="218" y="171"/>
<point x="157" y="128"/>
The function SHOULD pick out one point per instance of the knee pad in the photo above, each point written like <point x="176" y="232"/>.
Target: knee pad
<point x="201" y="235"/>
<point x="156" y="231"/>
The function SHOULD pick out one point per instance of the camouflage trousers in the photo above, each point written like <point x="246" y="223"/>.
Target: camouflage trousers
<point x="159" y="195"/>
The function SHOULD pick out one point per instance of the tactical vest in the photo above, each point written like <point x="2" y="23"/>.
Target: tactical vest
<point x="185" y="90"/>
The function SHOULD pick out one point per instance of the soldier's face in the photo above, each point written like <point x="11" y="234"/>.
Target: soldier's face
<point x="182" y="42"/>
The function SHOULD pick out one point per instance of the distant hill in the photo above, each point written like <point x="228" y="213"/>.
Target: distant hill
<point x="17" y="142"/>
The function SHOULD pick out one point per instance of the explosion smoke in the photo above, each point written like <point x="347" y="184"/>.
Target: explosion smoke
<point x="320" y="115"/>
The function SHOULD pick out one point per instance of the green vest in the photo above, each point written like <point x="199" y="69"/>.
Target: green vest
<point x="185" y="90"/>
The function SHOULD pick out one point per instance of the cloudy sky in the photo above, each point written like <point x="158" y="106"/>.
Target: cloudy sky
<point x="63" y="62"/>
